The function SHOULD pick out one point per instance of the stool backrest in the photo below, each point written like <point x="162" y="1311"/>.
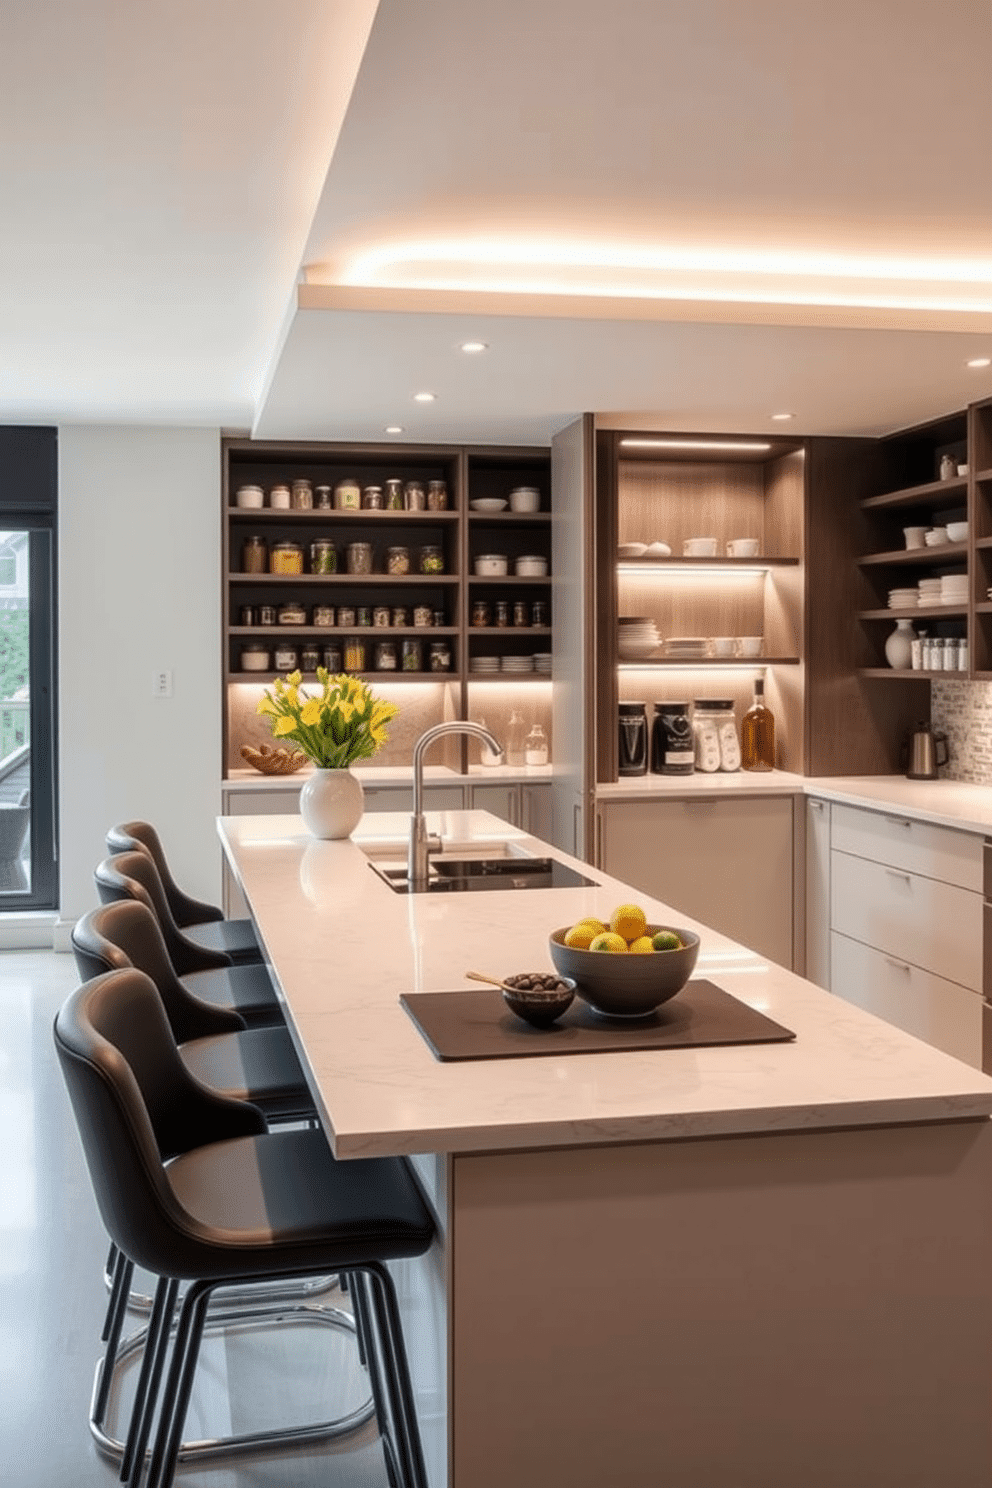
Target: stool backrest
<point x="133" y="875"/>
<point x="141" y="836"/>
<point x="135" y="1105"/>
<point x="126" y="933"/>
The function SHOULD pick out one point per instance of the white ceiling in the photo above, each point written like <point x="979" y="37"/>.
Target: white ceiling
<point x="192" y="193"/>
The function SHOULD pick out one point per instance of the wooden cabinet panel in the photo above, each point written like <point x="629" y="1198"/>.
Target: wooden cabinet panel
<point x="726" y="863"/>
<point x="933" y="925"/>
<point x="919" y="847"/>
<point x="931" y="1008"/>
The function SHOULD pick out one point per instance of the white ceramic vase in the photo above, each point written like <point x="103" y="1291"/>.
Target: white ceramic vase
<point x="899" y="646"/>
<point x="332" y="803"/>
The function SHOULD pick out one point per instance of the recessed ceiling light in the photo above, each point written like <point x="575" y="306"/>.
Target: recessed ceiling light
<point x="980" y="362"/>
<point x="693" y="444"/>
<point x="424" y="397"/>
<point x="394" y="428"/>
<point x="780" y="417"/>
<point x="473" y="346"/>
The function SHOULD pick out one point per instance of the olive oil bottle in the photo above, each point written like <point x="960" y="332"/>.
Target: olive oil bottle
<point x="758" y="733"/>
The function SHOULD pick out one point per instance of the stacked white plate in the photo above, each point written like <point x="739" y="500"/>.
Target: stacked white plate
<point x="542" y="662"/>
<point x="686" y="648"/>
<point x="516" y="664"/>
<point x="488" y="665"/>
<point x="954" y="589"/>
<point x="903" y="599"/>
<point x="930" y="593"/>
<point x="638" y="637"/>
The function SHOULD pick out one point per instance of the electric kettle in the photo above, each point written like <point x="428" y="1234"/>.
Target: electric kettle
<point x="923" y="752"/>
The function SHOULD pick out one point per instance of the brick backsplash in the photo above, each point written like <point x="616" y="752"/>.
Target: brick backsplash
<point x="963" y="711"/>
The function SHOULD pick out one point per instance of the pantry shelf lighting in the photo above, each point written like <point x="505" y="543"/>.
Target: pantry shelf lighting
<point x="739" y="446"/>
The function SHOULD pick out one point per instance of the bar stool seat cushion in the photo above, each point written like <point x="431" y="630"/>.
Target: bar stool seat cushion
<point x="242" y="1065"/>
<point x="249" y="989"/>
<point x="234" y="938"/>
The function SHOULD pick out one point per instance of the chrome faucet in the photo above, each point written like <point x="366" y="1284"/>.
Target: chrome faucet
<point x="422" y="844"/>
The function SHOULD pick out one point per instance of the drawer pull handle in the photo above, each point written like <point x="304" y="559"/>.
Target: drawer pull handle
<point x="899" y="821"/>
<point x="899" y="965"/>
<point x="895" y="873"/>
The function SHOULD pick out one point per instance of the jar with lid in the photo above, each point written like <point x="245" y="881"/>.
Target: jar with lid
<point x="412" y="656"/>
<point x="287" y="558"/>
<point x="536" y="747"/>
<point x="632" y="739"/>
<point x="301" y="496"/>
<point x="422" y="616"/>
<point x="348" y="495"/>
<point x="255" y="658"/>
<point x="385" y="656"/>
<point x="254" y="555"/>
<point x="359" y="558"/>
<point x="401" y="615"/>
<point x="333" y="659"/>
<point x="414" y="498"/>
<point x="247" y="615"/>
<point x="398" y="560"/>
<point x="372" y="499"/>
<point x="324" y="500"/>
<point x="287" y="658"/>
<point x="431" y="559"/>
<point x="730" y="744"/>
<point x="355" y="654"/>
<point x="502" y="613"/>
<point x="481" y="613"/>
<point x="266" y="614"/>
<point x="279" y="498"/>
<point x="437" y="495"/>
<point x="309" y="659"/>
<point x="380" y="617"/>
<point x="671" y="740"/>
<point x="539" y="612"/>
<point x="439" y="657"/>
<point x="363" y="615"/>
<point x="394" y="495"/>
<point x="706" y="740"/>
<point x="520" y="616"/>
<point x="291" y="613"/>
<point x="323" y="615"/>
<point x="323" y="556"/>
<point x="346" y="615"/>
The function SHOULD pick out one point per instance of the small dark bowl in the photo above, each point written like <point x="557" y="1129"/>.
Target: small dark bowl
<point x="626" y="986"/>
<point x="537" y="1006"/>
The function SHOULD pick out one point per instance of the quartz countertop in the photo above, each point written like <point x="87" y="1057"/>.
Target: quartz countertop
<point x="398" y="775"/>
<point x="343" y="947"/>
<point x="732" y="784"/>
<point x="948" y="803"/>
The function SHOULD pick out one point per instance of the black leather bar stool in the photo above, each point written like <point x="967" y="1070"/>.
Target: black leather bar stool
<point x="215" y="1044"/>
<point x="210" y="975"/>
<point x="203" y="923"/>
<point x="253" y="1206"/>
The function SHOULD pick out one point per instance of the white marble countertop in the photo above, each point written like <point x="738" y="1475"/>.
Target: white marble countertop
<point x="398" y="775"/>
<point x="732" y="784"/>
<point x="949" y="803"/>
<point x="343" y="947"/>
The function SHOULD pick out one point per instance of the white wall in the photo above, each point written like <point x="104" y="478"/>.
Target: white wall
<point x="139" y="590"/>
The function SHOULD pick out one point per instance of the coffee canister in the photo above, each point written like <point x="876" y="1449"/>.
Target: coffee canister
<point x="632" y="739"/>
<point x="672" y="743"/>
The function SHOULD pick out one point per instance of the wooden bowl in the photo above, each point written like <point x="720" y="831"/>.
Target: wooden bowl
<point x="269" y="761"/>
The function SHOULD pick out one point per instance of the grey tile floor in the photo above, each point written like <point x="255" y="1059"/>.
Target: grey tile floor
<point x="52" y="1299"/>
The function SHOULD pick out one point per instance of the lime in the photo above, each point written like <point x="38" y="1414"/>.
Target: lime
<point x="666" y="940"/>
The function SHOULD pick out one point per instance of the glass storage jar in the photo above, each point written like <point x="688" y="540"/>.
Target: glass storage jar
<point x="287" y="558"/>
<point x="301" y="496"/>
<point x="324" y="498"/>
<point x="380" y="617"/>
<point x="385" y="656"/>
<point x="309" y="659"/>
<point x="347" y="495"/>
<point x="363" y="615"/>
<point x="401" y="615"/>
<point x="422" y="616"/>
<point x="706" y="738"/>
<point x="394" y="495"/>
<point x="255" y="659"/>
<point x="346" y="615"/>
<point x="431" y="559"/>
<point x="355" y="654"/>
<point x="481" y="613"/>
<point x="437" y="495"/>
<point x="412" y="656"/>
<point x="254" y="555"/>
<point x="372" y="499"/>
<point x="398" y="560"/>
<point x="333" y="659"/>
<point x="279" y="498"/>
<point x="359" y="558"/>
<point x="323" y="556"/>
<point x="287" y="657"/>
<point x="439" y="657"/>
<point x="414" y="498"/>
<point x="536" y="746"/>
<point x="323" y="615"/>
<point x="291" y="614"/>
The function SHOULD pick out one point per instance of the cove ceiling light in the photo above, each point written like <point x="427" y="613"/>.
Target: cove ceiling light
<point x="739" y="446"/>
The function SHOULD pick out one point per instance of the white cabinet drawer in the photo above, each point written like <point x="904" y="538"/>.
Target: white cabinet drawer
<point x="920" y="847"/>
<point x="934" y="925"/>
<point x="937" y="1011"/>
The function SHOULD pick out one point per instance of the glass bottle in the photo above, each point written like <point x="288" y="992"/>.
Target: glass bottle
<point x="758" y="733"/>
<point x="516" y="733"/>
<point x="536" y="747"/>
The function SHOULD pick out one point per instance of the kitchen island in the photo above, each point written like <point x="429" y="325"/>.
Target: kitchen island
<point x="720" y="1266"/>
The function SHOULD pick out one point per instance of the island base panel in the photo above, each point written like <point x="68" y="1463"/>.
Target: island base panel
<point x="757" y="1311"/>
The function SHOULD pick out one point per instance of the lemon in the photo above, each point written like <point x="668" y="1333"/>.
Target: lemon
<point x="609" y="942"/>
<point x="580" y="935"/>
<point x="642" y="946"/>
<point x="629" y="921"/>
<point x="666" y="940"/>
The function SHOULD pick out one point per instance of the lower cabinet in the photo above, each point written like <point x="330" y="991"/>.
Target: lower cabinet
<point x="522" y="805"/>
<point x="726" y="863"/>
<point x="940" y="1012"/>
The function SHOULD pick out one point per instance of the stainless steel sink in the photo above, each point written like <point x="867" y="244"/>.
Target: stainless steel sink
<point x="459" y="875"/>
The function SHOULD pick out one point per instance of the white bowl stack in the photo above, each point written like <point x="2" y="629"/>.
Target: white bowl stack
<point x="954" y="589"/>
<point x="542" y="663"/>
<point x="687" y="648"/>
<point x="638" y="637"/>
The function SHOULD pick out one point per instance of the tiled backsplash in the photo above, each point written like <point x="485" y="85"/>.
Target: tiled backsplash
<point x="963" y="711"/>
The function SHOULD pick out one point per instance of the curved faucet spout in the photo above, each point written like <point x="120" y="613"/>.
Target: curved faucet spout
<point x="418" y="857"/>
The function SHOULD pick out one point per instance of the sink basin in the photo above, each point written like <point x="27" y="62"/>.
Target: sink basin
<point x="504" y="871"/>
<point x="394" y="853"/>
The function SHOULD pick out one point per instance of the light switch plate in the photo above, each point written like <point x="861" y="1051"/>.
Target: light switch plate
<point x="162" y="683"/>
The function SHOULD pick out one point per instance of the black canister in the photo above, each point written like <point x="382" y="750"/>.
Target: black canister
<point x="633" y="739"/>
<point x="672" y="751"/>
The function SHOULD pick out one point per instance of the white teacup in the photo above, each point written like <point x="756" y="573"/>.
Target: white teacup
<point x="723" y="645"/>
<point x="742" y="547"/>
<point x="914" y="536"/>
<point x="699" y="547"/>
<point x="750" y="645"/>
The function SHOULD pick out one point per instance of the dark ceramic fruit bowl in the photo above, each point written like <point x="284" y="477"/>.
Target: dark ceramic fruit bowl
<point x="628" y="986"/>
<point x="538" y="1006"/>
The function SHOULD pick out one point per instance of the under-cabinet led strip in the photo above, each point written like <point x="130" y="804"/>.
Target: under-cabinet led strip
<point x="678" y="570"/>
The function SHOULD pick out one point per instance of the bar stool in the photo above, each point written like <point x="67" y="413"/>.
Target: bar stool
<point x="203" y="923"/>
<point x="210" y="975"/>
<point x="253" y="1206"/>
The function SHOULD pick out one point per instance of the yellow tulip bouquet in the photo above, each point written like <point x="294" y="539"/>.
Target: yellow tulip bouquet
<point x="345" y="723"/>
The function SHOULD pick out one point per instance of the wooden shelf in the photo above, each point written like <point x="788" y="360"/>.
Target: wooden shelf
<point x="759" y="561"/>
<point x="330" y="633"/>
<point x="505" y="579"/>
<point x="376" y="580"/>
<point x="930" y="557"/>
<point x="511" y="677"/>
<point x="310" y="680"/>
<point x="984" y="475"/>
<point x="906" y="674"/>
<point x="939" y="491"/>
<point x="540" y="518"/>
<point x="316" y="514"/>
<point x="916" y="613"/>
<point x="690" y="664"/>
<point x="505" y="632"/>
